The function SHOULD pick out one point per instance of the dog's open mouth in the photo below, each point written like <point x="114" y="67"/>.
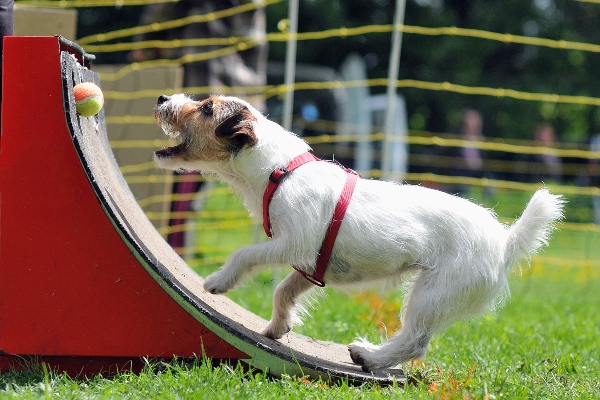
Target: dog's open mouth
<point x="173" y="133"/>
<point x="169" y="152"/>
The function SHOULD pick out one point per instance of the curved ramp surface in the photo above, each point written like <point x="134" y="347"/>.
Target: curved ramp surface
<point x="86" y="282"/>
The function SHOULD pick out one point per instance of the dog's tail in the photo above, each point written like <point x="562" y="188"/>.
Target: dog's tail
<point x="532" y="230"/>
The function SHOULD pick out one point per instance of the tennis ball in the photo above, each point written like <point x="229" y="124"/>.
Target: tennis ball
<point x="88" y="99"/>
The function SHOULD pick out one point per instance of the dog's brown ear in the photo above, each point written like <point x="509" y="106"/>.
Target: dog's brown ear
<point x="239" y="128"/>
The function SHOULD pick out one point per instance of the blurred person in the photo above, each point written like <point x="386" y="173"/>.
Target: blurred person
<point x="466" y="160"/>
<point x="552" y="165"/>
<point x="245" y="67"/>
<point x="594" y="175"/>
<point x="548" y="165"/>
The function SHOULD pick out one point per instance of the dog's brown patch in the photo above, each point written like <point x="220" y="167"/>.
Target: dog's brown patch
<point x="211" y="129"/>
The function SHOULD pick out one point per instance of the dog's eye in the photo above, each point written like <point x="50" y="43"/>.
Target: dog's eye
<point x="207" y="108"/>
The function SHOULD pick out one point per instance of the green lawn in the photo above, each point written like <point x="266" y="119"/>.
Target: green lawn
<point x="542" y="345"/>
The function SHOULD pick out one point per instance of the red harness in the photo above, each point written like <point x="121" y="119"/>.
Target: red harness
<point x="336" y="220"/>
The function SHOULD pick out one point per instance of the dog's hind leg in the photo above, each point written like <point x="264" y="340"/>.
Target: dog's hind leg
<point x="406" y="345"/>
<point x="427" y="309"/>
<point x="284" y="301"/>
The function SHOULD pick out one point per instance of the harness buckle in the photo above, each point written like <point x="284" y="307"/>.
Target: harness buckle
<point x="277" y="175"/>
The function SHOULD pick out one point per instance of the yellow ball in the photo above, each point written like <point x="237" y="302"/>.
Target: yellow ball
<point x="88" y="99"/>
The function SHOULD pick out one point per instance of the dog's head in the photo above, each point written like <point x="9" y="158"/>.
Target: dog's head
<point x="206" y="131"/>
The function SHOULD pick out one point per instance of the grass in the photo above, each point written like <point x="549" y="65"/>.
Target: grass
<point x="541" y="345"/>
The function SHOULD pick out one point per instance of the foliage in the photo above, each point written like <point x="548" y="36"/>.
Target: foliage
<point x="470" y="61"/>
<point x="459" y="60"/>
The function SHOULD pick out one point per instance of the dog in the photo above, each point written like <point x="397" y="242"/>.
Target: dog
<point x="456" y="253"/>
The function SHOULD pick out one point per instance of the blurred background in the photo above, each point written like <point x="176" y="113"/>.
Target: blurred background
<point x="493" y="100"/>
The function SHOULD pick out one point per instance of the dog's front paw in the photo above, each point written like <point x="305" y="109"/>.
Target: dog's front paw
<point x="216" y="283"/>
<point x="275" y="331"/>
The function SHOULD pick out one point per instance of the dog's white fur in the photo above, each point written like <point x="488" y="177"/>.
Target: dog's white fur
<point x="458" y="253"/>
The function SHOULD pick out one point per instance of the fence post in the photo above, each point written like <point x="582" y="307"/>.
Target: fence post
<point x="391" y="88"/>
<point x="290" y="65"/>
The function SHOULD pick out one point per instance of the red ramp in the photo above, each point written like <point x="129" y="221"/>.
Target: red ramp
<point x="86" y="282"/>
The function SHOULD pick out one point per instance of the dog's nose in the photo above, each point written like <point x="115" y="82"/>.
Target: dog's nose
<point x="163" y="98"/>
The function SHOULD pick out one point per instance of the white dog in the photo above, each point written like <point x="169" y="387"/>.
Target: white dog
<point x="457" y="252"/>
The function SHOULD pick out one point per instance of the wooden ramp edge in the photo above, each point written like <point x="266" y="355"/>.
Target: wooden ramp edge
<point x="87" y="284"/>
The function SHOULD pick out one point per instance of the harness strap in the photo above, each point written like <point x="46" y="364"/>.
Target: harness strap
<point x="332" y="231"/>
<point x="275" y="179"/>
<point x="336" y="220"/>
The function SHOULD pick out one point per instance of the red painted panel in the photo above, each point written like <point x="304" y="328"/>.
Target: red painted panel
<point x="68" y="283"/>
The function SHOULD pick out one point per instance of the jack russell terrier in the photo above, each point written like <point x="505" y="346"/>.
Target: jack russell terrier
<point x="338" y="229"/>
